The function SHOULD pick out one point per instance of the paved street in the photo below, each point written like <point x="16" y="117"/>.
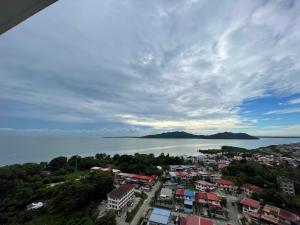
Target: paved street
<point x="145" y="207"/>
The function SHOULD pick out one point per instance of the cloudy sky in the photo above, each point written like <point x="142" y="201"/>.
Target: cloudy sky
<point x="134" y="67"/>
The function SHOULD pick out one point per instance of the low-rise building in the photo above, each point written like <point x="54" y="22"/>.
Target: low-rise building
<point x="249" y="189"/>
<point x="194" y="220"/>
<point x="166" y="194"/>
<point x="136" y="178"/>
<point x="160" y="216"/>
<point x="35" y="206"/>
<point x="120" y="197"/>
<point x="277" y="216"/>
<point x="286" y="185"/>
<point x="208" y="199"/>
<point x="250" y="205"/>
<point x="225" y="185"/>
<point x="202" y="185"/>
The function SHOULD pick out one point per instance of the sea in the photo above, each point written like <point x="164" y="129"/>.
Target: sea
<point x="22" y="148"/>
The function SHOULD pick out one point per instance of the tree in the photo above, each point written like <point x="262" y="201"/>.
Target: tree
<point x="108" y="219"/>
<point x="58" y="163"/>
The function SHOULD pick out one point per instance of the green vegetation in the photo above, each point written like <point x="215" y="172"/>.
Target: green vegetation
<point x="243" y="171"/>
<point x="182" y="134"/>
<point x="66" y="187"/>
<point x="108" y="219"/>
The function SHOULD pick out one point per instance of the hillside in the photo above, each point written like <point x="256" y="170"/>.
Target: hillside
<point x="182" y="134"/>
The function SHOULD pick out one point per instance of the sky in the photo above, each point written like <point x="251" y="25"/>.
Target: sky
<point x="135" y="67"/>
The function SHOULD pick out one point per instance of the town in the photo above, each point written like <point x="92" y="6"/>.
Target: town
<point x="215" y="187"/>
<point x="196" y="193"/>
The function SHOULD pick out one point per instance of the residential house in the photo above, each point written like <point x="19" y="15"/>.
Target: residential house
<point x="277" y="216"/>
<point x="225" y="185"/>
<point x="249" y="189"/>
<point x="194" y="220"/>
<point x="202" y="185"/>
<point x="208" y="199"/>
<point x="187" y="197"/>
<point x="166" y="194"/>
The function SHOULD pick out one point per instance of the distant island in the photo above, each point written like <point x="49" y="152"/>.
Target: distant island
<point x="182" y="134"/>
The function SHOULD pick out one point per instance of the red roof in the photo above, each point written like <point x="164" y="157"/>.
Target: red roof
<point x="251" y="187"/>
<point x="207" y="196"/>
<point x="195" y="220"/>
<point x="289" y="216"/>
<point x="180" y="191"/>
<point x="224" y="182"/>
<point x="250" y="202"/>
<point x="127" y="186"/>
<point x="203" y="182"/>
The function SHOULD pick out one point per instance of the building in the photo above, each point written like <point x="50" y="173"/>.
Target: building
<point x="225" y="185"/>
<point x="160" y="217"/>
<point x="251" y="210"/>
<point x="249" y="189"/>
<point x="119" y="198"/>
<point x="104" y="170"/>
<point x="202" y="185"/>
<point x="166" y="194"/>
<point x="286" y="185"/>
<point x="208" y="199"/>
<point x="187" y="197"/>
<point x="136" y="179"/>
<point x="194" y="220"/>
<point x="273" y="215"/>
<point x="250" y="205"/>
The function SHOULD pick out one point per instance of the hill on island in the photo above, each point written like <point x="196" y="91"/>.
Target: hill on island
<point x="182" y="134"/>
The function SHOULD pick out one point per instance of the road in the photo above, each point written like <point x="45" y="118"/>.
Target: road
<point x="145" y="207"/>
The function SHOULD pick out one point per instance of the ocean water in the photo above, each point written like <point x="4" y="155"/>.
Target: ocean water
<point x="20" y="148"/>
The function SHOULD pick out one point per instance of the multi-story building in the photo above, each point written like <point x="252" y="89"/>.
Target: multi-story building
<point x="250" y="205"/>
<point x="119" y="198"/>
<point x="208" y="199"/>
<point x="286" y="185"/>
<point x="225" y="185"/>
<point x="202" y="185"/>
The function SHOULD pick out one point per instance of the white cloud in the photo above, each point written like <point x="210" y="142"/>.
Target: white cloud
<point x="170" y="64"/>
<point x="294" y="101"/>
<point x="283" y="111"/>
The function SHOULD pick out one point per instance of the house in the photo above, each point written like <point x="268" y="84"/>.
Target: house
<point x="277" y="216"/>
<point x="225" y="185"/>
<point x="160" y="216"/>
<point x="194" y="220"/>
<point x="249" y="189"/>
<point x="208" y="199"/>
<point x="136" y="178"/>
<point x="186" y="196"/>
<point x="222" y="165"/>
<point x="166" y="194"/>
<point x="119" y="198"/>
<point x="250" y="205"/>
<point x="286" y="185"/>
<point x="202" y="185"/>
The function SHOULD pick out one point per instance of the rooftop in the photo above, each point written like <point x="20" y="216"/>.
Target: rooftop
<point x="195" y="220"/>
<point x="121" y="191"/>
<point x="250" y="202"/>
<point x="160" y="216"/>
<point x="224" y="182"/>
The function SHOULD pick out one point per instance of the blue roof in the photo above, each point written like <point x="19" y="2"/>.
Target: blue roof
<point x="188" y="202"/>
<point x="160" y="216"/>
<point x="189" y="193"/>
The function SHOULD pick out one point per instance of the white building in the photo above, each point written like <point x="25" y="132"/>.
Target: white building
<point x="202" y="185"/>
<point x="119" y="198"/>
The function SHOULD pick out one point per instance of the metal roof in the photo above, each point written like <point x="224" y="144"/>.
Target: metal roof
<point x="188" y="202"/>
<point x="189" y="193"/>
<point x="160" y="216"/>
